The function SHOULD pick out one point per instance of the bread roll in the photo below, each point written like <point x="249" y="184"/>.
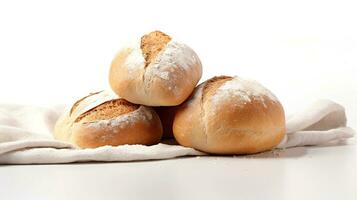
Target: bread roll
<point x="230" y="115"/>
<point x="103" y="118"/>
<point x="155" y="71"/>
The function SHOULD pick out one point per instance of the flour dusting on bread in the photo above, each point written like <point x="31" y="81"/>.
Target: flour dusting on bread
<point x="151" y="45"/>
<point x="141" y="114"/>
<point x="92" y="101"/>
<point x="176" y="54"/>
<point x="246" y="90"/>
<point x="135" y="60"/>
<point x="162" y="59"/>
<point x="173" y="62"/>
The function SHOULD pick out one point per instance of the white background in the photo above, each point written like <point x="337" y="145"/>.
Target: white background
<point x="56" y="51"/>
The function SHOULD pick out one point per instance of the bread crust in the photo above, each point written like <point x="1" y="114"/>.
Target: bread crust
<point x="233" y="125"/>
<point x="164" y="77"/>
<point x="107" y="120"/>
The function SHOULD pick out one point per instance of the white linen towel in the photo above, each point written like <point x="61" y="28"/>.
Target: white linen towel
<point x="26" y="136"/>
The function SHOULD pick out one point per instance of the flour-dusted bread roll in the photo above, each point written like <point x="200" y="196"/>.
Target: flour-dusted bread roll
<point x="103" y="118"/>
<point x="230" y="115"/>
<point x="155" y="71"/>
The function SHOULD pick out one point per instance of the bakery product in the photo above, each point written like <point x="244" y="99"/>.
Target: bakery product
<point x="102" y="118"/>
<point x="230" y="115"/>
<point x="166" y="114"/>
<point x="155" y="71"/>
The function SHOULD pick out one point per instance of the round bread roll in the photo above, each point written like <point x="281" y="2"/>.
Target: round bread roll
<point x="230" y="115"/>
<point x="155" y="71"/>
<point x="103" y="118"/>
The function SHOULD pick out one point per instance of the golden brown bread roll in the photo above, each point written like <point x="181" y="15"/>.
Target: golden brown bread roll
<point x="155" y="71"/>
<point x="230" y="115"/>
<point x="103" y="118"/>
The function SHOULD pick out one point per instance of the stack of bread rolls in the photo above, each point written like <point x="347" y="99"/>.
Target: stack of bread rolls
<point x="154" y="96"/>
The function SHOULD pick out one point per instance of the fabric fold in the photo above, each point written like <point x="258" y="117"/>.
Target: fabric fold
<point x="322" y="122"/>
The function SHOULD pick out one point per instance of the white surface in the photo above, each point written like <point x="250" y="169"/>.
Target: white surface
<point x="300" y="173"/>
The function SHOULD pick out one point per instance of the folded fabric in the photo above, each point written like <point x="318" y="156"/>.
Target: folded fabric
<point x="26" y="136"/>
<point x="321" y="123"/>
